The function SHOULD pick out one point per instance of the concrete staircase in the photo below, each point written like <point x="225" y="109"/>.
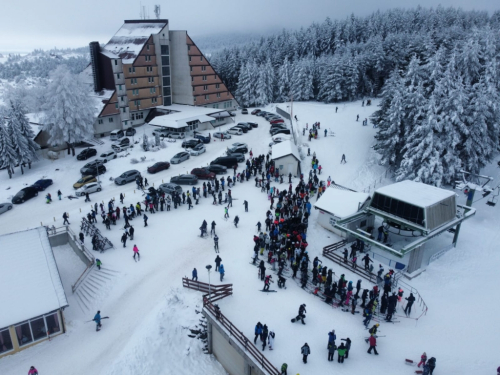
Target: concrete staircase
<point x="93" y="288"/>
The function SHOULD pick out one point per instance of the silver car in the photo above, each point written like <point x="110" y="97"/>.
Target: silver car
<point x="93" y="187"/>
<point x="225" y="135"/>
<point x="198" y="149"/>
<point x="4" y="207"/>
<point x="180" y="157"/>
<point x="169" y="188"/>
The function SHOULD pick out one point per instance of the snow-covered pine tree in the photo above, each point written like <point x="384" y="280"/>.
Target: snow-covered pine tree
<point x="21" y="134"/>
<point x="8" y="157"/>
<point x="265" y="84"/>
<point x="69" y="111"/>
<point x="284" y="78"/>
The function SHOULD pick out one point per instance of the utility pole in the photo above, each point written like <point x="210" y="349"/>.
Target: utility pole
<point x="209" y="267"/>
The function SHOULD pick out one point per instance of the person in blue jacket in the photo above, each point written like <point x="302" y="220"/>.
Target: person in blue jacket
<point x="195" y="275"/>
<point x="97" y="320"/>
<point x="331" y="337"/>
<point x="308" y="207"/>
<point x="258" y="331"/>
<point x="221" y="271"/>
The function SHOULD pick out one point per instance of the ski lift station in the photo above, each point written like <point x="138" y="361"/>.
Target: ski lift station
<point x="421" y="221"/>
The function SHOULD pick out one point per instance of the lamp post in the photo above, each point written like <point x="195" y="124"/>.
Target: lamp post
<point x="209" y="267"/>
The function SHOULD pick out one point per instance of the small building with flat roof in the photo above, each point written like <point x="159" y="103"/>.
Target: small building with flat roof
<point x="286" y="158"/>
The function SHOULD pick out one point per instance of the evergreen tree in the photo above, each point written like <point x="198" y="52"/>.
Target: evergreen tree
<point x="69" y="111"/>
<point x="265" y="84"/>
<point x="284" y="81"/>
<point x="8" y="157"/>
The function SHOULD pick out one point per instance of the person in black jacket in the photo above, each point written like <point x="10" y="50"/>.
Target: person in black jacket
<point x="393" y="300"/>
<point x="347" y="347"/>
<point x="346" y="254"/>
<point x="263" y="336"/>
<point x="218" y="261"/>
<point x="301" y="315"/>
<point x="410" y="300"/>
<point x="383" y="306"/>
<point x="432" y="364"/>
<point x="358" y="287"/>
<point x="364" y="296"/>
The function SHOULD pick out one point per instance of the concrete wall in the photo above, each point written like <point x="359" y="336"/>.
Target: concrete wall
<point x="182" y="91"/>
<point x="66" y="238"/>
<point x="289" y="164"/>
<point x="327" y="221"/>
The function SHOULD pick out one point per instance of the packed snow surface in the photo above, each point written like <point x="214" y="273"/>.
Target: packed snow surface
<point x="341" y="203"/>
<point x="415" y="193"/>
<point x="149" y="312"/>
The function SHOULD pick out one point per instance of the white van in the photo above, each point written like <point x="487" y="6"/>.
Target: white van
<point x="116" y="135"/>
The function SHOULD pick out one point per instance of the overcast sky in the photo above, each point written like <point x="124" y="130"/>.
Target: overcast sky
<point x="45" y="24"/>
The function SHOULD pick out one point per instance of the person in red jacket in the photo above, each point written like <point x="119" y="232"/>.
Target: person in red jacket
<point x="423" y="359"/>
<point x="373" y="344"/>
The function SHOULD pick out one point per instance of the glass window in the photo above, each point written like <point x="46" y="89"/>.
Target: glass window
<point x="118" y="75"/>
<point x="124" y="109"/>
<point x="52" y="320"/>
<point x="152" y="90"/>
<point x="217" y="86"/>
<point x="121" y="97"/>
<point x="218" y="94"/>
<point x="149" y="69"/>
<point x="166" y="81"/>
<point x="23" y="333"/>
<point x="167" y="100"/>
<point x="189" y="47"/>
<point x="204" y="78"/>
<point x="165" y="70"/>
<point x="154" y="100"/>
<point x="164" y="49"/>
<point x="189" y="58"/>
<point x="99" y="122"/>
<point x="116" y="105"/>
<point x="207" y="97"/>
<point x="116" y="62"/>
<point x="191" y="68"/>
<point x="110" y="119"/>
<point x="201" y="58"/>
<point x="203" y="68"/>
<point x="5" y="341"/>
<point x="165" y="60"/>
<point x="119" y="87"/>
<point x="126" y="122"/>
<point x="38" y="328"/>
<point x="147" y="47"/>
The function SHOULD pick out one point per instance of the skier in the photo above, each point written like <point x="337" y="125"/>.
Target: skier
<point x="357" y="118"/>
<point x="263" y="336"/>
<point x="284" y="367"/>
<point x="65" y="217"/>
<point x="216" y="244"/>
<point x="347" y="347"/>
<point x="218" y="260"/>
<point x="341" y="350"/>
<point x="131" y="231"/>
<point x="98" y="263"/>
<point x="325" y="132"/>
<point x="82" y="237"/>
<point x="367" y="261"/>
<point x="236" y="220"/>
<point x="270" y="340"/>
<point x="245" y="203"/>
<point x="33" y="371"/>
<point x="121" y="198"/>
<point x="203" y="228"/>
<point x="221" y="271"/>
<point x="410" y="300"/>
<point x="258" y="331"/>
<point x="212" y="230"/>
<point x="145" y="220"/>
<point x="331" y="337"/>
<point x="124" y="239"/>
<point x="194" y="275"/>
<point x="343" y="159"/>
<point x="136" y="252"/>
<point x="87" y="198"/>
<point x="226" y="212"/>
<point x="331" y="351"/>
<point x="97" y="320"/>
<point x="301" y="315"/>
<point x="305" y="350"/>
<point x="373" y="344"/>
<point x="267" y="282"/>
<point x="59" y="194"/>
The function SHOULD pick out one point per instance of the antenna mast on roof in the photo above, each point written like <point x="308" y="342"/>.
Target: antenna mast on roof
<point x="157" y="11"/>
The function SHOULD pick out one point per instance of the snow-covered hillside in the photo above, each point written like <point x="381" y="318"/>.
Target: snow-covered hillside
<point x="150" y="312"/>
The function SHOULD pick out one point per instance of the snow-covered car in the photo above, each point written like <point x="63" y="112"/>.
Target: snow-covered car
<point x="239" y="144"/>
<point x="89" y="188"/>
<point x="162" y="132"/>
<point x="170" y="188"/>
<point x="235" y="131"/>
<point x="282" y="138"/>
<point x="176" y="135"/>
<point x="198" y="149"/>
<point x="225" y="135"/>
<point x="107" y="156"/>
<point x="179" y="157"/>
<point x="4" y="207"/>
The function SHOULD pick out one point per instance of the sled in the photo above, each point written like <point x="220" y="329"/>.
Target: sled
<point x="410" y="362"/>
<point x="419" y="372"/>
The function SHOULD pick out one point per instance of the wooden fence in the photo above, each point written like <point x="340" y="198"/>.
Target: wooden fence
<point x="217" y="292"/>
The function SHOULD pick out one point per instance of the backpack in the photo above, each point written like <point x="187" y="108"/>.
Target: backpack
<point x="284" y="366"/>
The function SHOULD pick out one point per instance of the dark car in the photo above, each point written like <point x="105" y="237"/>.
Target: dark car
<point x="253" y="124"/>
<point x="91" y="165"/>
<point x="243" y="128"/>
<point x="261" y="113"/>
<point x="280" y="131"/>
<point x="217" y="169"/>
<point x="203" y="173"/>
<point x="255" y="111"/>
<point x="190" y="143"/>
<point x="41" y="185"/>
<point x="160" y="166"/>
<point x="122" y="142"/>
<point x="248" y="126"/>
<point x="127" y="177"/>
<point x="226" y="161"/>
<point x="130" y="132"/>
<point x="239" y="156"/>
<point x="94" y="170"/>
<point x="237" y="149"/>
<point x="184" y="179"/>
<point x="87" y="153"/>
<point x="277" y="127"/>
<point x="25" y="194"/>
<point x="202" y="138"/>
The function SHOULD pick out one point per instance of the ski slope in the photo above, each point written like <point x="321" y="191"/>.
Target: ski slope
<point x="150" y="312"/>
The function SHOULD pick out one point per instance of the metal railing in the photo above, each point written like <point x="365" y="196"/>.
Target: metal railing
<point x="217" y="292"/>
<point x="237" y="335"/>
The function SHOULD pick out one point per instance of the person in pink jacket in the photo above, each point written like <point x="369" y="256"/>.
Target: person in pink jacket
<point x="136" y="253"/>
<point x="423" y="359"/>
<point x="33" y="371"/>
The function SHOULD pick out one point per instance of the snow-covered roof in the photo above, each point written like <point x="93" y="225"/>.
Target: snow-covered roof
<point x="285" y="148"/>
<point x="128" y="41"/>
<point x="31" y="285"/>
<point x="183" y="114"/>
<point x="101" y="99"/>
<point x="341" y="203"/>
<point x="415" y="193"/>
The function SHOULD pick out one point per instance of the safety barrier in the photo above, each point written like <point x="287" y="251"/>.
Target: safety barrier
<point x="217" y="292"/>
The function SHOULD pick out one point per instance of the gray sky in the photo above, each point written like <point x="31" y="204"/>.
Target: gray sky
<point x="67" y="23"/>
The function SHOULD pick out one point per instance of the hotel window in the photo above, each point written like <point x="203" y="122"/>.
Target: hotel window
<point x="151" y="79"/>
<point x="189" y="58"/>
<point x="218" y="94"/>
<point x="201" y="58"/>
<point x="207" y="97"/>
<point x="152" y="90"/>
<point x="147" y="47"/>
<point x="217" y="86"/>
<point x="116" y="62"/>
<point x="149" y="69"/>
<point x="133" y="81"/>
<point x="124" y="109"/>
<point x="99" y="121"/>
<point x="119" y="87"/>
<point x="203" y="68"/>
<point x="116" y="105"/>
<point x="135" y="92"/>
<point x="125" y="122"/>
<point x="110" y="119"/>
<point x="205" y="87"/>
<point x="117" y="75"/>
<point x="192" y="79"/>
<point x="189" y="47"/>
<point x="164" y="49"/>
<point x="194" y="88"/>
<point x="191" y="68"/>
<point x="6" y="341"/>
<point x="131" y="69"/>
<point x="195" y="98"/>
<point x="147" y="58"/>
<point x="215" y="76"/>
<point x="121" y="98"/>
<point x="154" y="100"/>
<point x="204" y="78"/>
<point x="137" y="103"/>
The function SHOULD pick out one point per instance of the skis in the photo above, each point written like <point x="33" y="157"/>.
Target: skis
<point x="348" y="310"/>
<point x="269" y="291"/>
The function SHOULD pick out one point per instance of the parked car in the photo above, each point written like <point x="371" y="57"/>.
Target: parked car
<point x="236" y="131"/>
<point x="280" y="131"/>
<point x="176" y="135"/>
<point x="232" y="114"/>
<point x="203" y="173"/>
<point x="184" y="179"/>
<point x="4" y="207"/>
<point x="197" y="150"/>
<point x="179" y="157"/>
<point x="277" y="127"/>
<point x="127" y="177"/>
<point x="239" y="144"/>
<point x="159" y="166"/>
<point x="24" y="194"/>
<point x="130" y="132"/>
<point x="217" y="168"/>
<point x="94" y="170"/>
<point x="238" y="149"/>
<point x="41" y="185"/>
<point x="261" y="113"/>
<point x="245" y="124"/>
<point x="253" y="124"/>
<point x="87" y="153"/>
<point x="119" y="149"/>
<point x="107" y="155"/>
<point x="269" y="115"/>
<point x="162" y="132"/>
<point x="89" y="188"/>
<point x="244" y="111"/>
<point x="282" y="138"/>
<point x="90" y="165"/>
<point x="277" y="121"/>
<point x="170" y="188"/>
<point x="190" y="143"/>
<point x="116" y="135"/>
<point x="84" y="180"/>
<point x="255" y="111"/>
<point x="202" y="138"/>
<point x="122" y="142"/>
<point x="243" y="128"/>
<point x="239" y="156"/>
<point x="225" y="135"/>
<point x="226" y="161"/>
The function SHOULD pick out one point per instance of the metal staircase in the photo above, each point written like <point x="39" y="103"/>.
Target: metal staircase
<point x="93" y="287"/>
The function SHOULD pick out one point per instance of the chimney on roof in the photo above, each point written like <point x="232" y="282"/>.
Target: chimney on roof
<point x="95" y="50"/>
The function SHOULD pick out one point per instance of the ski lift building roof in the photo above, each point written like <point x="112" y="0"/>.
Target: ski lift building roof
<point x="341" y="203"/>
<point x="31" y="285"/>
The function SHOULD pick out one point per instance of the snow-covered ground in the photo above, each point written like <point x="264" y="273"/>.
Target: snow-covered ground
<point x="149" y="311"/>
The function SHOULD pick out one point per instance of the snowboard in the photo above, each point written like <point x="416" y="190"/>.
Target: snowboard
<point x="268" y="291"/>
<point x="348" y="310"/>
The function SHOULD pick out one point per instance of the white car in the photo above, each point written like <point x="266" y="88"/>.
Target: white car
<point x="217" y="135"/>
<point x="239" y="144"/>
<point x="235" y="131"/>
<point x="176" y="135"/>
<point x="107" y="156"/>
<point x="282" y="138"/>
<point x="162" y="132"/>
<point x="89" y="188"/>
<point x="198" y="149"/>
